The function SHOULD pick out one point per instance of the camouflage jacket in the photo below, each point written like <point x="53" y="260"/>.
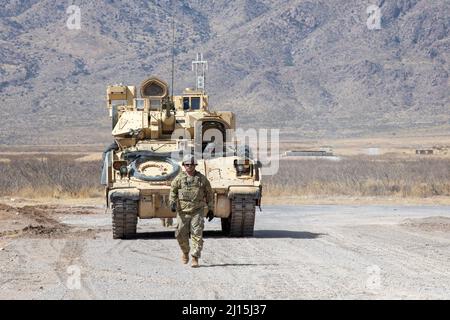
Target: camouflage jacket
<point x="190" y="193"/>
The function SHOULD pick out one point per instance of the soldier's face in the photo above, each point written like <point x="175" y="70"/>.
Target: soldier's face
<point x="190" y="167"/>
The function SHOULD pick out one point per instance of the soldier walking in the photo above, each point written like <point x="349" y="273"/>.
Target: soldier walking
<point x="189" y="193"/>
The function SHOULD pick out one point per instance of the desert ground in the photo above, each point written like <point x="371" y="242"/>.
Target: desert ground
<point x="368" y="226"/>
<point x="66" y="251"/>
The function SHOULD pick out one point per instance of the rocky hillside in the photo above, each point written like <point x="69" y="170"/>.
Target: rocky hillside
<point x="313" y="68"/>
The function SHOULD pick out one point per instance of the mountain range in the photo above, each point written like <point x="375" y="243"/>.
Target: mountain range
<point x="312" y="69"/>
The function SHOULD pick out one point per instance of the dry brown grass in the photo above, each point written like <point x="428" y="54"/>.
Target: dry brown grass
<point x="361" y="176"/>
<point x="59" y="176"/>
<point x="49" y="176"/>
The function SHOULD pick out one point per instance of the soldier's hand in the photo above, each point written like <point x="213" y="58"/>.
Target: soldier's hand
<point x="210" y="215"/>
<point x="173" y="207"/>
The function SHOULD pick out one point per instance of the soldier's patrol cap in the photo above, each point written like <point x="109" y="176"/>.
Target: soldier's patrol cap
<point x="189" y="158"/>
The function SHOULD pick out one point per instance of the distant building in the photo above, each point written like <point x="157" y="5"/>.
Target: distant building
<point x="308" y="153"/>
<point x="424" y="151"/>
<point x="326" y="148"/>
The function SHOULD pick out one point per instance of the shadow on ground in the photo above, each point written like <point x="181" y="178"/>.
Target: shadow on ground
<point x="237" y="265"/>
<point x="260" y="234"/>
<point x="171" y="235"/>
<point x="286" y="234"/>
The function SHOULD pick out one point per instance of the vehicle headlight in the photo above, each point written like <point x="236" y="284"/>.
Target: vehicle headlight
<point x="123" y="170"/>
<point x="119" y="164"/>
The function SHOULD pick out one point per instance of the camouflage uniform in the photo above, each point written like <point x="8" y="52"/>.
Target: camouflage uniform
<point x="166" y="222"/>
<point x="189" y="193"/>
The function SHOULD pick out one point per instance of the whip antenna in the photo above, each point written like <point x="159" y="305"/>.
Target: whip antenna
<point x="173" y="48"/>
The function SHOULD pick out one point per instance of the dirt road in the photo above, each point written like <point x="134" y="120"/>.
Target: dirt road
<point x="298" y="252"/>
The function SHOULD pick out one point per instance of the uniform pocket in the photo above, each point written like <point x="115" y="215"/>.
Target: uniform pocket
<point x="189" y="195"/>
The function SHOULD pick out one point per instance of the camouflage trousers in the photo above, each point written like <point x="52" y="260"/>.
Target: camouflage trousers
<point x="166" y="222"/>
<point x="193" y="224"/>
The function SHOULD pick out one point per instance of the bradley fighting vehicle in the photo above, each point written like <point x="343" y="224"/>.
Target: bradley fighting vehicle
<point x="152" y="131"/>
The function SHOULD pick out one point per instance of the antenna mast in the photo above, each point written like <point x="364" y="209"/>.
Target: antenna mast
<point x="200" y="67"/>
<point x="173" y="48"/>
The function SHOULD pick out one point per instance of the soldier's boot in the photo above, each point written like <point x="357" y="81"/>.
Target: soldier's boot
<point x="185" y="258"/>
<point x="194" y="262"/>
